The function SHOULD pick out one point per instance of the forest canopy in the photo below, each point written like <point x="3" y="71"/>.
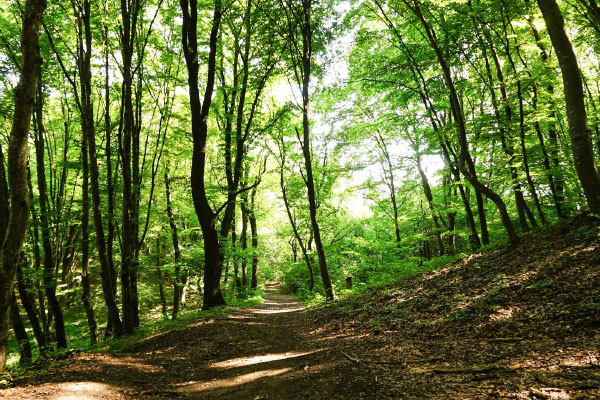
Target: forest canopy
<point x="161" y="156"/>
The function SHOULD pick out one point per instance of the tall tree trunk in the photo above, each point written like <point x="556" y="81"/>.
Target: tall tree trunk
<point x="17" y="162"/>
<point x="37" y="262"/>
<point x="306" y="61"/>
<point x="555" y="178"/>
<point x="110" y="236"/>
<point x="199" y="113"/>
<point x="178" y="281"/>
<point x="451" y="194"/>
<point x="389" y="171"/>
<point x="29" y="305"/>
<point x="159" y="275"/>
<point x="86" y="297"/>
<point x="254" y="232"/>
<point x="530" y="182"/>
<point x="15" y="317"/>
<point x="579" y="131"/>
<point x="49" y="274"/>
<point x="474" y="241"/>
<point x="434" y="213"/>
<point x="20" y="332"/>
<point x="128" y="243"/>
<point x="244" y="207"/>
<point x="485" y="236"/>
<point x="505" y="129"/>
<point x="293" y="224"/>
<point x="88" y="127"/>
<point x="236" y="264"/>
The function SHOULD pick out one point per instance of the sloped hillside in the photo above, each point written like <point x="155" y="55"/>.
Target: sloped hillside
<point x="520" y="322"/>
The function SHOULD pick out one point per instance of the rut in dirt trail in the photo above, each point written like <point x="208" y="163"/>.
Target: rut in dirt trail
<point x="266" y="352"/>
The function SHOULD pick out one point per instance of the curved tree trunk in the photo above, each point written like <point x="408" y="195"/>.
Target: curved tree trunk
<point x="17" y="162"/>
<point x="199" y="113"/>
<point x="457" y="112"/>
<point x="579" y="131"/>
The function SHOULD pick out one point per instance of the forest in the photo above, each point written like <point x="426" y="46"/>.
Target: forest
<point x="167" y="162"/>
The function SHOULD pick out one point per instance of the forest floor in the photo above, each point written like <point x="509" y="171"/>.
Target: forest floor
<point x="515" y="322"/>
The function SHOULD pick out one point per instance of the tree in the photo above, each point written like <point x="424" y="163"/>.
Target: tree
<point x="458" y="115"/>
<point x="298" y="33"/>
<point x="17" y="162"/>
<point x="199" y="112"/>
<point x="579" y="131"/>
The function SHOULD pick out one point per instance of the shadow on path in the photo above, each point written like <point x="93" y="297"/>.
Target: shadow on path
<point x="264" y="352"/>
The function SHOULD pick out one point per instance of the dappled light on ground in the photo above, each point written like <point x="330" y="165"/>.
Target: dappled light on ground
<point x="563" y="358"/>
<point x="243" y="361"/>
<point x="278" y="311"/>
<point x="514" y="323"/>
<point x="503" y="314"/>
<point x="233" y="381"/>
<point x="240" y="317"/>
<point x="542" y="393"/>
<point x="83" y="390"/>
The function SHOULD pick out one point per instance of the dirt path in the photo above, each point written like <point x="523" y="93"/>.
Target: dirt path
<point x="267" y="352"/>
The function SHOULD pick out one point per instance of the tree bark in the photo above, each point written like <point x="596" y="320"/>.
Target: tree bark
<point x="86" y="297"/>
<point x="110" y="236"/>
<point x="129" y="14"/>
<point x="159" y="275"/>
<point x="17" y="162"/>
<point x="20" y="332"/>
<point x="88" y="128"/>
<point x="434" y="213"/>
<point x="178" y="280"/>
<point x="306" y="62"/>
<point x="474" y="240"/>
<point x="37" y="262"/>
<point x="254" y="233"/>
<point x="288" y="210"/>
<point x="49" y="275"/>
<point x="579" y="131"/>
<point x="244" y="207"/>
<point x="199" y="113"/>
<point x="390" y="183"/>
<point x="236" y="264"/>
<point x="457" y="113"/>
<point x="29" y="305"/>
<point x="555" y="178"/>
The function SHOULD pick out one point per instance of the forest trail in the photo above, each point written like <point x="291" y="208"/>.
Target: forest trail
<point x="266" y="352"/>
<point x="519" y="322"/>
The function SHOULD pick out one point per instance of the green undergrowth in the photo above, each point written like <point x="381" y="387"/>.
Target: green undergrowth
<point x="379" y="279"/>
<point x="527" y="288"/>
